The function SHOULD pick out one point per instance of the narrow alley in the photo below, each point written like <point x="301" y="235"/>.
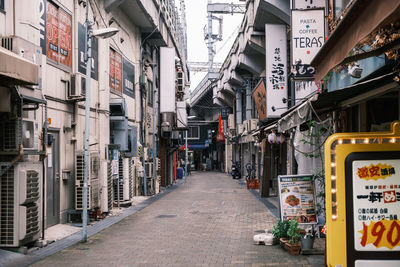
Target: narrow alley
<point x="208" y="221"/>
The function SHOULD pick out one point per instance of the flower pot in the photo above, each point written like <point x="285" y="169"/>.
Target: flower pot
<point x="283" y="241"/>
<point x="293" y="249"/>
<point x="307" y="243"/>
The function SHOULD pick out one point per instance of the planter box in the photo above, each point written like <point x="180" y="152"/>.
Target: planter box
<point x="293" y="249"/>
<point x="252" y="183"/>
<point x="283" y="241"/>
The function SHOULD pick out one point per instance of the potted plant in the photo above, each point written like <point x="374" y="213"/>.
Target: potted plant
<point x="279" y="231"/>
<point x="293" y="232"/>
<point x="307" y="241"/>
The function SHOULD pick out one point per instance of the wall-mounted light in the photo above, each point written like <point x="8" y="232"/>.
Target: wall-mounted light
<point x="355" y="70"/>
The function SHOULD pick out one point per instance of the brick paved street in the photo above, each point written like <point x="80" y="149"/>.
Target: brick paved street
<point x="208" y="221"/>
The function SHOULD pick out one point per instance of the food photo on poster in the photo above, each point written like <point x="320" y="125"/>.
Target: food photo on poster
<point x="297" y="198"/>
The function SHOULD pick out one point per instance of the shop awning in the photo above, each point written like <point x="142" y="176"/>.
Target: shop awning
<point x="297" y="115"/>
<point x="33" y="96"/>
<point x="355" y="93"/>
<point x="360" y="20"/>
<point x="17" y="70"/>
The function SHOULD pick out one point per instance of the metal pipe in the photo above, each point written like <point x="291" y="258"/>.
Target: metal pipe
<point x="87" y="124"/>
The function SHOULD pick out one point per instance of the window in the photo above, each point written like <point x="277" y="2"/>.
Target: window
<point x="56" y="34"/>
<point x="340" y="6"/>
<point x="115" y="71"/>
<point x="194" y="132"/>
<point x="150" y="93"/>
<point x="2" y="5"/>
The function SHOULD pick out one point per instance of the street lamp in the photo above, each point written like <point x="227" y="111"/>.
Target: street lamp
<point x="103" y="33"/>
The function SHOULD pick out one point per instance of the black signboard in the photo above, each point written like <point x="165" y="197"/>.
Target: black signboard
<point x="81" y="51"/>
<point x="128" y="78"/>
<point x="225" y="112"/>
<point x="304" y="71"/>
<point x="42" y="12"/>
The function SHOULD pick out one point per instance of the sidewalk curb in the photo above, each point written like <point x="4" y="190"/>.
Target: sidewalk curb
<point x="68" y="241"/>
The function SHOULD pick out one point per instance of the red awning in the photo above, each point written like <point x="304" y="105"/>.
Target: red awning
<point x="362" y="18"/>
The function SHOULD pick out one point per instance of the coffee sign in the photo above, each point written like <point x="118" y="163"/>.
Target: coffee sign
<point x="308" y="33"/>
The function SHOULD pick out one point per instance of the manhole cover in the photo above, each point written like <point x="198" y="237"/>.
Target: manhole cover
<point x="166" y="216"/>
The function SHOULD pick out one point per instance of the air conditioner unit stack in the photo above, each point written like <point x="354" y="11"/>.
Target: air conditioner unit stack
<point x="124" y="183"/>
<point x="252" y="125"/>
<point x="77" y="88"/>
<point x="20" y="203"/>
<point x="93" y="180"/>
<point x="9" y="133"/>
<point x="181" y="82"/>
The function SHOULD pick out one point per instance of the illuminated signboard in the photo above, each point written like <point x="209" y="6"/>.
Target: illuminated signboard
<point x="362" y="182"/>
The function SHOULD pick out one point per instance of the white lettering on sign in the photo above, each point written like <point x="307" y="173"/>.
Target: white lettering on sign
<point x="128" y="84"/>
<point x="305" y="4"/>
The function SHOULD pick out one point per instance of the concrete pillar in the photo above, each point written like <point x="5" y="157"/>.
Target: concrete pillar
<point x="249" y="102"/>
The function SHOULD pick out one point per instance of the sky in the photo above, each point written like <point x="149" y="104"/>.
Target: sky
<point x="196" y="19"/>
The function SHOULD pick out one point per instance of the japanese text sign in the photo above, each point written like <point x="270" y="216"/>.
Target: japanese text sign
<point x="128" y="78"/>
<point x="362" y="187"/>
<point x="305" y="4"/>
<point x="308" y="33"/>
<point x="276" y="69"/>
<point x="81" y="51"/>
<point x="115" y="71"/>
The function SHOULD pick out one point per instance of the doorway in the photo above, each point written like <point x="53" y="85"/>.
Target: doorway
<point x="53" y="179"/>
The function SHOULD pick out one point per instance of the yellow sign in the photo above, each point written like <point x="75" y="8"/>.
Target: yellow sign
<point x="362" y="183"/>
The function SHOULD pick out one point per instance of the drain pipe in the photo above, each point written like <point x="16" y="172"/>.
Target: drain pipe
<point x="44" y="166"/>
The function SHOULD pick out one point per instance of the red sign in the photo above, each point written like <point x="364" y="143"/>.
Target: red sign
<point x="58" y="35"/>
<point x="115" y="71"/>
<point x="221" y="130"/>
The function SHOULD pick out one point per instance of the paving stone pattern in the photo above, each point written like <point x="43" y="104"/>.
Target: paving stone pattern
<point x="208" y="221"/>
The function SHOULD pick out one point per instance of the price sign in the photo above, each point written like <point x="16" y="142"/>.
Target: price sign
<point x="376" y="197"/>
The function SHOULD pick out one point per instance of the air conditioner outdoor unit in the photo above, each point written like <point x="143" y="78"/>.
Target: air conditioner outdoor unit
<point x="231" y="121"/>
<point x="93" y="179"/>
<point x="23" y="48"/>
<point x="77" y="88"/>
<point x="158" y="166"/>
<point x="9" y="133"/>
<point x="149" y="169"/>
<point x="252" y="125"/>
<point x="20" y="203"/>
<point x="123" y="194"/>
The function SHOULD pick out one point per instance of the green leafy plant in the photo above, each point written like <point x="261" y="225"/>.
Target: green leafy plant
<point x="280" y="229"/>
<point x="293" y="231"/>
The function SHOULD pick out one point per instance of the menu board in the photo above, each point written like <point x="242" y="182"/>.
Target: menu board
<point x="115" y="71"/>
<point x="58" y="35"/>
<point x="297" y="199"/>
<point x="376" y="196"/>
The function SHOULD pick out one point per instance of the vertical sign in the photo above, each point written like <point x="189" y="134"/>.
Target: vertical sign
<point x="128" y="78"/>
<point x="58" y="35"/>
<point x="115" y="71"/>
<point x="42" y="22"/>
<point x="276" y="69"/>
<point x="308" y="31"/>
<point x="81" y="51"/>
<point x="260" y="99"/>
<point x="221" y="129"/>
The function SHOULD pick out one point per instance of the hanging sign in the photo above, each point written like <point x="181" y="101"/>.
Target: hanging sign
<point x="305" y="4"/>
<point x="362" y="179"/>
<point x="297" y="200"/>
<point x="221" y="129"/>
<point x="308" y="32"/>
<point x="276" y="70"/>
<point x="259" y="96"/>
<point x="81" y="51"/>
